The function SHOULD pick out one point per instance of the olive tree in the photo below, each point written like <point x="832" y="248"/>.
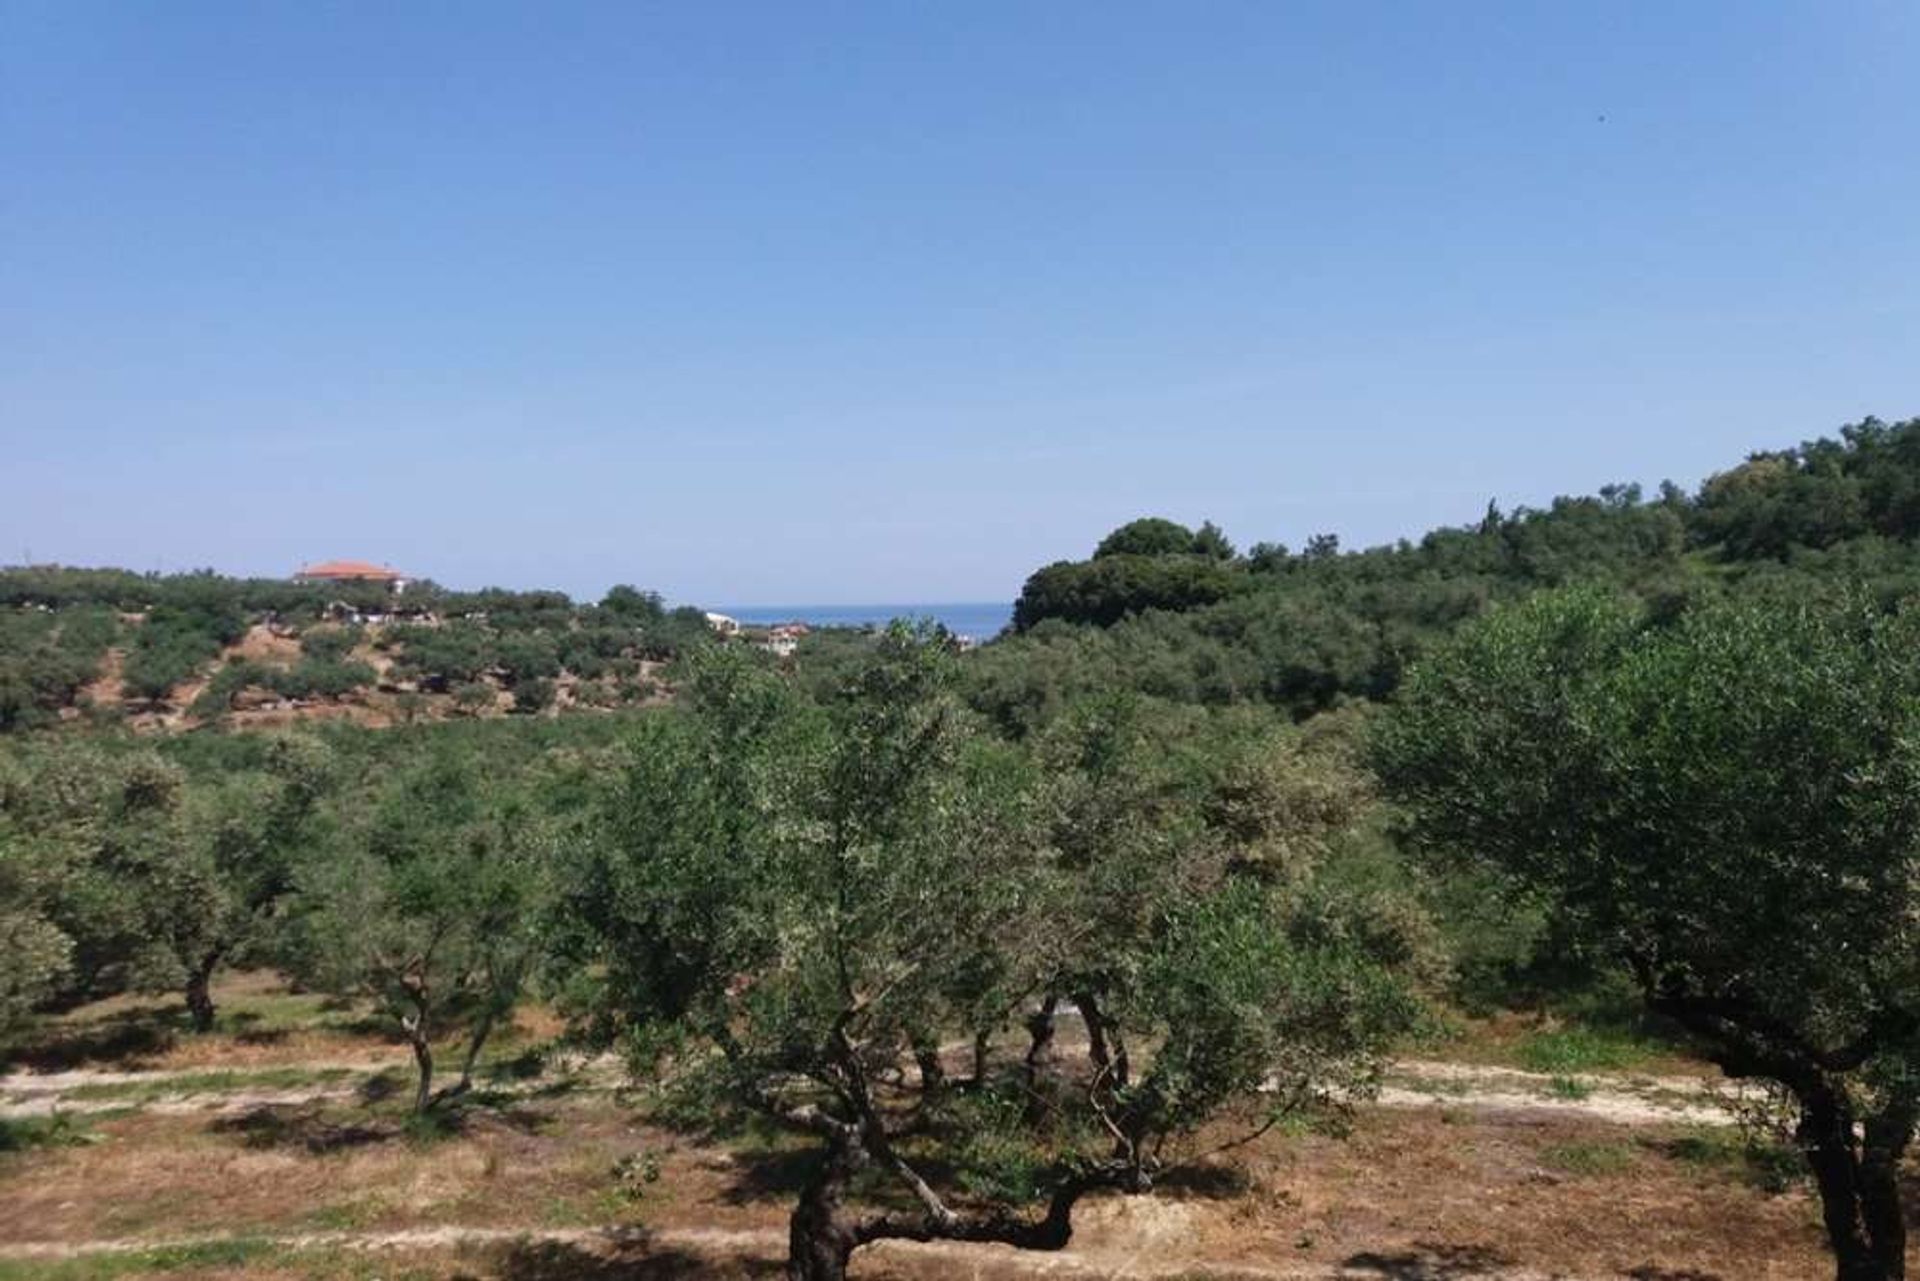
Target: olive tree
<point x="35" y="954"/>
<point x="787" y="903"/>
<point x="88" y="837"/>
<point x="125" y="872"/>
<point x="1727" y="808"/>
<point x="1152" y="809"/>
<point x="430" y="907"/>
<point x="245" y="834"/>
<point x="154" y="879"/>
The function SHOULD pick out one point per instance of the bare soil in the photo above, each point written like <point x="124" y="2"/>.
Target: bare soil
<point x="1471" y="1172"/>
<point x="262" y="644"/>
<point x="1407" y="1194"/>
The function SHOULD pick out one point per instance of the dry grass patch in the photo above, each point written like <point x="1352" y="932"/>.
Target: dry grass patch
<point x="1408" y="1190"/>
<point x="264" y="1022"/>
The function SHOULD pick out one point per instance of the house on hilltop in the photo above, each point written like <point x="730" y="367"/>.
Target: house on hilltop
<point x="783" y="638"/>
<point x="353" y="571"/>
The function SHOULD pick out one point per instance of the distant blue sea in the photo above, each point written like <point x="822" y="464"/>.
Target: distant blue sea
<point x="980" y="621"/>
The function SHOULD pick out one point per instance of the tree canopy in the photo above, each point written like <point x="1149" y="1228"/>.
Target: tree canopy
<point x="1177" y="614"/>
<point x="785" y="899"/>
<point x="1728" y="808"/>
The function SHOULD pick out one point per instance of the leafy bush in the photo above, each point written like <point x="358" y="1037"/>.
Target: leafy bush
<point x="1762" y="1160"/>
<point x="324" y="678"/>
<point x="45" y="660"/>
<point x="216" y="699"/>
<point x="439" y="658"/>
<point x="473" y="697"/>
<point x="329" y="644"/>
<point x="1581" y="1049"/>
<point x="535" y="694"/>
<point x="526" y="656"/>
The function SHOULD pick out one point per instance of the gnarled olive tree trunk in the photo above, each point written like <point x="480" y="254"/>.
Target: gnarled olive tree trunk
<point x="821" y="1235"/>
<point x="199" y="993"/>
<point x="1040" y="1054"/>
<point x="1854" y="1157"/>
<point x="1857" y="1170"/>
<point x="823" y="1231"/>
<point x="423" y="1066"/>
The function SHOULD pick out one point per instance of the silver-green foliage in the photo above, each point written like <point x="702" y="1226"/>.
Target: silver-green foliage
<point x="1728" y="808"/>
<point x="786" y="902"/>
<point x="431" y="905"/>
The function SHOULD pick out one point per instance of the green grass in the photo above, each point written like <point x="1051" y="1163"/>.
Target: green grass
<point x="1566" y="1050"/>
<point x="198" y="1258"/>
<point x="1567" y="1087"/>
<point x="32" y="1133"/>
<point x="280" y="1011"/>
<point x="1589" y="1159"/>
<point x="194" y="1258"/>
<point x="604" y="1207"/>
<point x="220" y="1082"/>
<point x="128" y="1029"/>
<point x="1768" y="1165"/>
<point x="435" y="1125"/>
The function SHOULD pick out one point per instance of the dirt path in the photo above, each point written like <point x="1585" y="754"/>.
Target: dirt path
<point x="175" y="1104"/>
<point x="43" y="1094"/>
<point x="1621" y="1100"/>
<point x="36" y="1083"/>
<point x="30" y="1094"/>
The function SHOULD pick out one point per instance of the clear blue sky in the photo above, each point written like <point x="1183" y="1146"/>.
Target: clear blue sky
<point x="895" y="302"/>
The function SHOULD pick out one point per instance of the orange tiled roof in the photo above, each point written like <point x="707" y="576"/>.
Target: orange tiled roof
<point x="349" y="569"/>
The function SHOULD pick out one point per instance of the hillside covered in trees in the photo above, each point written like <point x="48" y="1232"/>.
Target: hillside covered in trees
<point x="199" y="648"/>
<point x="1158" y="608"/>
<point x="1181" y="614"/>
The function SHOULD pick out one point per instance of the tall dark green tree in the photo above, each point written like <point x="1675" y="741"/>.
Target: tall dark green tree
<point x="1148" y="536"/>
<point x="1211" y="542"/>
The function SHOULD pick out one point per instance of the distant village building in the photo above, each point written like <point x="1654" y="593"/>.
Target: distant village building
<point x="723" y="624"/>
<point x="353" y="571"/>
<point x="784" y="638"/>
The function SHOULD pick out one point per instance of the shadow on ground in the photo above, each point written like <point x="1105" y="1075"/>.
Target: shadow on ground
<point x="1427" y="1261"/>
<point x="770" y="1175"/>
<point x="1431" y="1262"/>
<point x="124" y="1040"/>
<point x="320" y="1129"/>
<point x="1208" y="1182"/>
<point x="557" y="1261"/>
<point x="130" y="1039"/>
<point x="381" y="1086"/>
<point x="303" y="1126"/>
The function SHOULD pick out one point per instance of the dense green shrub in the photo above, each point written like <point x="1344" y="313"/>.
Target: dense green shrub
<point x="473" y="697"/>
<point x="534" y="694"/>
<point x="323" y="678"/>
<point x="330" y="644"/>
